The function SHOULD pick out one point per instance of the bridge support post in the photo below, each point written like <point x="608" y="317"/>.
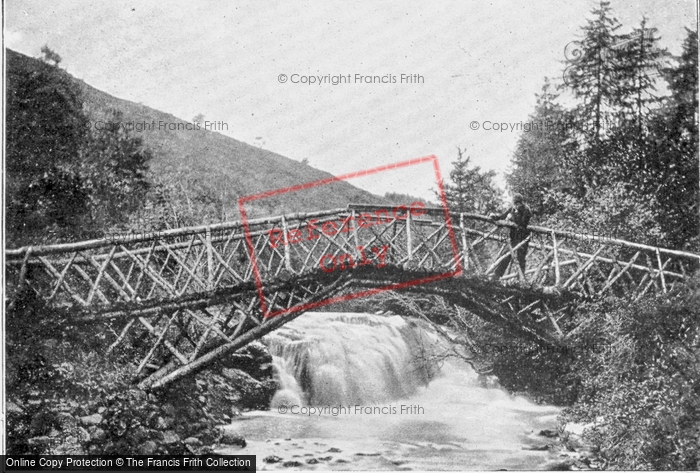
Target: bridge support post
<point x="557" y="273"/>
<point x="210" y="260"/>
<point x="409" y="237"/>
<point x="465" y="248"/>
<point x="287" y="260"/>
<point x="356" y="241"/>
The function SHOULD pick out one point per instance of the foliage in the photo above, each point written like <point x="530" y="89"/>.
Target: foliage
<point x="538" y="161"/>
<point x="630" y="372"/>
<point x="59" y="379"/>
<point x="674" y="144"/>
<point x="45" y="131"/>
<point x="640" y="384"/>
<point x="618" y="143"/>
<point x="396" y="198"/>
<point x="470" y="189"/>
<point x="615" y="211"/>
<point x="64" y="177"/>
<point x="113" y="170"/>
<point x="50" y="55"/>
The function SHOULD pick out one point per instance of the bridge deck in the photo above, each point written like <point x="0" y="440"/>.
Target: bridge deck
<point x="203" y="291"/>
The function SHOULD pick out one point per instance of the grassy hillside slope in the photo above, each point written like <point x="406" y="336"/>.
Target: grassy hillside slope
<point x="206" y="166"/>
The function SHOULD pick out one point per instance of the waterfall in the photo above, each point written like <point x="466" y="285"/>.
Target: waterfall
<point x="410" y="416"/>
<point x="329" y="358"/>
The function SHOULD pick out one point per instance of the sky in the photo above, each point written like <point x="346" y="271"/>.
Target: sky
<point x="473" y="64"/>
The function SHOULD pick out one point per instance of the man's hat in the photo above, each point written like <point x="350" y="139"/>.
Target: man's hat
<point x="518" y="197"/>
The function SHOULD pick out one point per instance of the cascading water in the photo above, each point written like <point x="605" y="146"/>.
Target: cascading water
<point x="349" y="359"/>
<point x="361" y="391"/>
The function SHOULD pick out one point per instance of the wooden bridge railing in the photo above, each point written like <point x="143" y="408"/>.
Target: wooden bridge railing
<point x="193" y="289"/>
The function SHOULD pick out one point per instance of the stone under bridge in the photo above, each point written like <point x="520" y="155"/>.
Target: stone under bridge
<point x="200" y="293"/>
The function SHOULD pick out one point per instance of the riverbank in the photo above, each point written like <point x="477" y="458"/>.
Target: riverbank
<point x="68" y="399"/>
<point x="631" y="387"/>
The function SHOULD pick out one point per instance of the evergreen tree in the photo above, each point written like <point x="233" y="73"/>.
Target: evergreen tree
<point x="540" y="157"/>
<point x="470" y="189"/>
<point x="640" y="63"/>
<point x="673" y="143"/>
<point x="594" y="81"/>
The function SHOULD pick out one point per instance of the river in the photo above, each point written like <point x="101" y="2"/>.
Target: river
<point x="358" y="394"/>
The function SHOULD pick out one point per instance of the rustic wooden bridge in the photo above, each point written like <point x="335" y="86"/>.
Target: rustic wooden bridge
<point x="198" y="294"/>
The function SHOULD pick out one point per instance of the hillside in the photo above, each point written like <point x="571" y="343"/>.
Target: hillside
<point x="205" y="166"/>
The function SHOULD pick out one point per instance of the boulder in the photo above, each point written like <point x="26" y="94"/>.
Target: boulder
<point x="140" y="434"/>
<point x="164" y="423"/>
<point x="66" y="421"/>
<point x="192" y="441"/>
<point x="170" y="437"/>
<point x="42" y="423"/>
<point x="149" y="447"/>
<point x="229" y="438"/>
<point x="41" y="441"/>
<point x="94" y="419"/>
<point x="13" y="408"/>
<point x="253" y="393"/>
<point x="208" y="436"/>
<point x="254" y="359"/>
<point x="83" y="435"/>
<point x="98" y="434"/>
<point x="138" y="395"/>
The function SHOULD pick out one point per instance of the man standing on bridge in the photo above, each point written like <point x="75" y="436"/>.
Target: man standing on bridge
<point x="520" y="215"/>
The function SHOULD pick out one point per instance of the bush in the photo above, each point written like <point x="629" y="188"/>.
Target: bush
<point x="641" y="387"/>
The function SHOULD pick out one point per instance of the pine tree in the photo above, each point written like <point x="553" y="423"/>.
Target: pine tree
<point x="594" y="79"/>
<point x="470" y="189"/>
<point x="540" y="157"/>
<point x="673" y="143"/>
<point x="640" y="63"/>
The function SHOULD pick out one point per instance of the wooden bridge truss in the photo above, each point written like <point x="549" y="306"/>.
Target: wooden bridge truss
<point x="199" y="293"/>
